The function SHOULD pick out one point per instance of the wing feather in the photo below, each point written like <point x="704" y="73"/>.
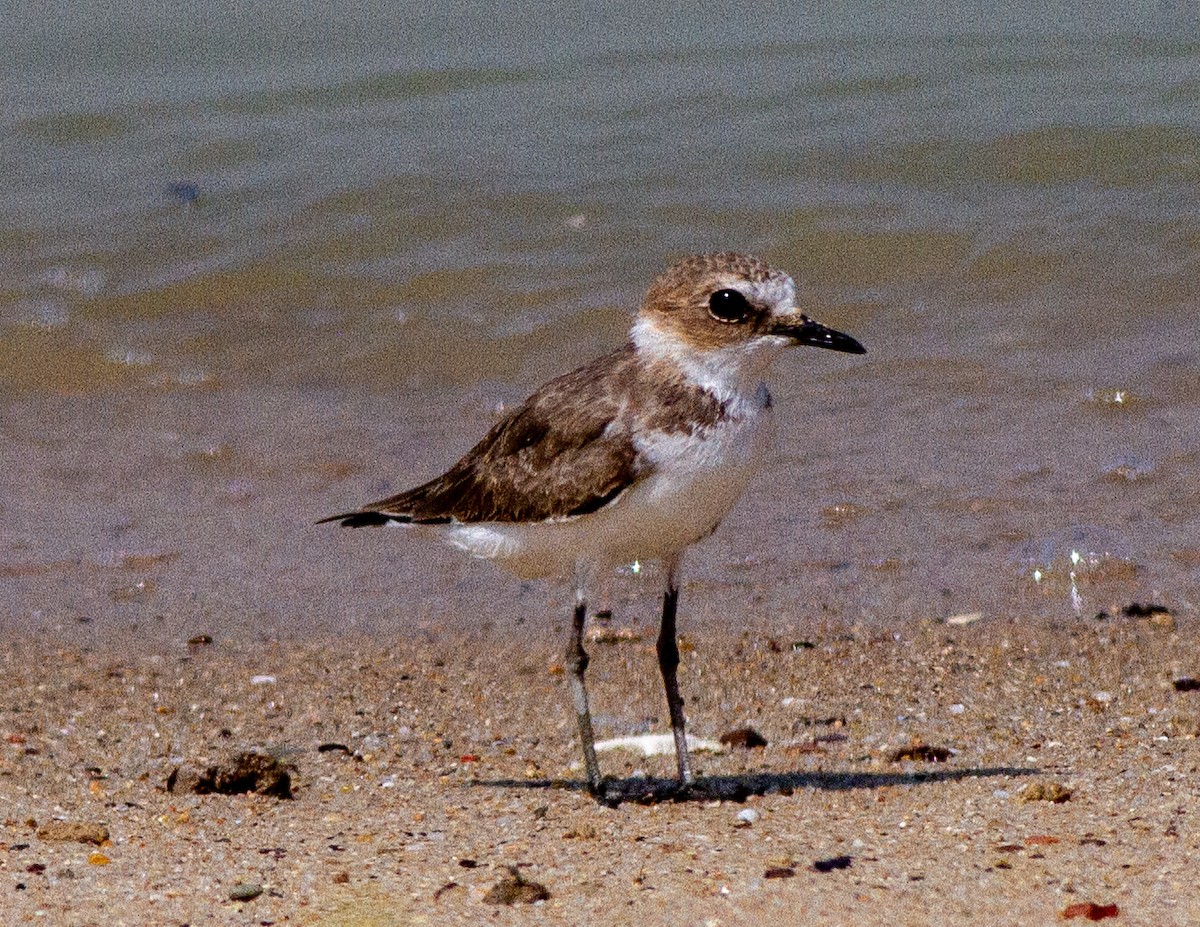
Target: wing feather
<point x="565" y="452"/>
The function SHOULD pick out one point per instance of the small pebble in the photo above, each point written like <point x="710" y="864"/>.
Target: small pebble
<point x="516" y="890"/>
<point x="1054" y="792"/>
<point x="743" y="738"/>
<point x="73" y="831"/>
<point x="245" y="772"/>
<point x="245" y="891"/>
<point x="834" y="862"/>
<point x="1144" y="610"/>
<point x="747" y="817"/>
<point x="1091" y="911"/>
<point x="920" y="752"/>
<point x="1164" y="621"/>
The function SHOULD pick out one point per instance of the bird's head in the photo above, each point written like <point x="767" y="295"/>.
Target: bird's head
<point x="726" y="316"/>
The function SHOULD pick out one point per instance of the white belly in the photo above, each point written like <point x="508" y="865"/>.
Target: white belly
<point x="696" y="481"/>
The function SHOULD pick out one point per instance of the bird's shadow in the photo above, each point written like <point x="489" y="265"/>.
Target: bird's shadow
<point x="651" y="791"/>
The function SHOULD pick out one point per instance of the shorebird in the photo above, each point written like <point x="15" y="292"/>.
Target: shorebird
<point x="633" y="457"/>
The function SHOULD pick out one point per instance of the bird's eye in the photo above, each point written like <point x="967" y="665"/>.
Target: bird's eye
<point x="728" y="306"/>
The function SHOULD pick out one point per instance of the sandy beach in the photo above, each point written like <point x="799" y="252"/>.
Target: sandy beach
<point x="427" y="768"/>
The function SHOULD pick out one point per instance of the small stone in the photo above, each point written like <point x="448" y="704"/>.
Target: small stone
<point x="920" y="752"/>
<point x="246" y="772"/>
<point x="743" y="738"/>
<point x="245" y="891"/>
<point x="1187" y="684"/>
<point x="75" y="831"/>
<point x="341" y="878"/>
<point x="1054" y="792"/>
<point x="1146" y="610"/>
<point x="834" y="862"/>
<point x="779" y="872"/>
<point x="516" y="890"/>
<point x="1090" y="910"/>
<point x="964" y="619"/>
<point x="1164" y="621"/>
<point x="747" y="817"/>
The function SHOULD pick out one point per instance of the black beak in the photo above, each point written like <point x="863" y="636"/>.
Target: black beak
<point x="803" y="330"/>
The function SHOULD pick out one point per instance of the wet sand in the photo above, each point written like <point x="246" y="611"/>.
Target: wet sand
<point x="457" y="766"/>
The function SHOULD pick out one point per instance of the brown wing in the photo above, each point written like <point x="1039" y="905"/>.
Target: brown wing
<point x="562" y="453"/>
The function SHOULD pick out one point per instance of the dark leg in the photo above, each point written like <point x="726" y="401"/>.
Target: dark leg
<point x="577" y="662"/>
<point x="668" y="663"/>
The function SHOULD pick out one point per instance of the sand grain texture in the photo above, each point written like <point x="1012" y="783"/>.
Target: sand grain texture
<point x="458" y="772"/>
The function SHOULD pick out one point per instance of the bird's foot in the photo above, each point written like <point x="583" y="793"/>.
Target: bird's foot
<point x="643" y="791"/>
<point x="608" y="791"/>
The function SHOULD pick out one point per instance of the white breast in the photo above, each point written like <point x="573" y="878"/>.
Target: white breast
<point x="696" y="480"/>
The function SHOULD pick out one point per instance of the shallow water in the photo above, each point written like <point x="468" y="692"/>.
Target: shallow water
<point x="257" y="269"/>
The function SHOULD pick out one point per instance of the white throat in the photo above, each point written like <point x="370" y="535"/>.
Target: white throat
<point x="731" y="373"/>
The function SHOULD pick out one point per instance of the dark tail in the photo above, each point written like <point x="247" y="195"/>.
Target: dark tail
<point x="364" y="519"/>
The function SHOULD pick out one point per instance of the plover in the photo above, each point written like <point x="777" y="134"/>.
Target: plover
<point x="633" y="457"/>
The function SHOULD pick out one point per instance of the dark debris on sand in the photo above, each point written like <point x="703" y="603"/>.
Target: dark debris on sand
<point x="744" y="738"/>
<point x="245" y="772"/>
<point x="920" y="752"/>
<point x="516" y="889"/>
